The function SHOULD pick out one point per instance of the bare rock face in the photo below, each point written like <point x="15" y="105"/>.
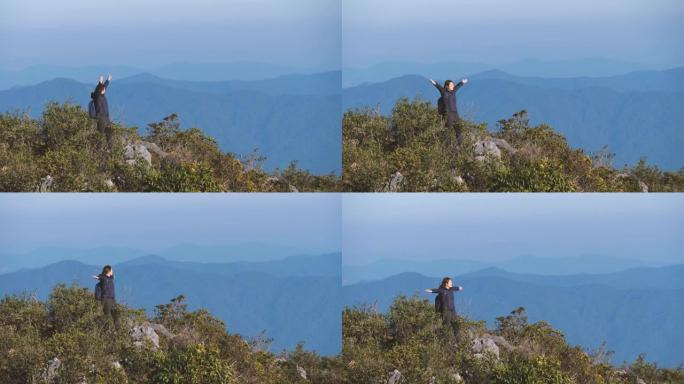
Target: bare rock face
<point x="484" y="148"/>
<point x="50" y="372"/>
<point x="302" y="372"/>
<point x="145" y="332"/>
<point x="394" y="377"/>
<point x="491" y="147"/>
<point x="109" y="184"/>
<point x="395" y="182"/>
<point x="483" y="345"/>
<point x="135" y="151"/>
<point x="46" y="184"/>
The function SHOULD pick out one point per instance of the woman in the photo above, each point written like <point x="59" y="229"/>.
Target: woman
<point x="444" y="302"/>
<point x="107" y="294"/>
<point x="446" y="105"/>
<point x="102" y="108"/>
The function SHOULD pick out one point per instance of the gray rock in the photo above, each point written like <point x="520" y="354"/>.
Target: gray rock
<point x="135" y="151"/>
<point x="640" y="381"/>
<point x="484" y="148"/>
<point x="483" y="345"/>
<point x="148" y="332"/>
<point x="46" y="184"/>
<point x="491" y="147"/>
<point x="109" y="184"/>
<point x="50" y="372"/>
<point x="394" y="377"/>
<point x="457" y="378"/>
<point x="395" y="182"/>
<point x="302" y="372"/>
<point x="643" y="186"/>
<point x="152" y="147"/>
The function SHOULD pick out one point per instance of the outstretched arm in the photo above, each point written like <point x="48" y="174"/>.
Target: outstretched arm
<point x="431" y="290"/>
<point x="456" y="288"/>
<point x="461" y="83"/>
<point x="438" y="86"/>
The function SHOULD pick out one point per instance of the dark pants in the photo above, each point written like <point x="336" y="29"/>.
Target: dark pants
<point x="451" y="319"/>
<point x="104" y="126"/>
<point x="109" y="309"/>
<point x="453" y="122"/>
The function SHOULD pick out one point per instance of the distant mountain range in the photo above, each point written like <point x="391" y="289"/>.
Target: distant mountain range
<point x="288" y="118"/>
<point x="557" y="266"/>
<point x="252" y="252"/>
<point x="635" y="311"/>
<point x="295" y="299"/>
<point x="238" y="70"/>
<point x="636" y="114"/>
<point x="590" y="67"/>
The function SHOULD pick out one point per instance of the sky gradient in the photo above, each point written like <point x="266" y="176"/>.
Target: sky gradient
<point x="159" y="221"/>
<point x="494" y="227"/>
<point x="302" y="33"/>
<point x="503" y="31"/>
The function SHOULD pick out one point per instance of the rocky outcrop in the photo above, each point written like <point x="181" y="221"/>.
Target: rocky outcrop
<point x="481" y="346"/>
<point x="491" y="147"/>
<point x="492" y="344"/>
<point x="149" y="332"/>
<point x="46" y="184"/>
<point x="395" y="183"/>
<point x="135" y="151"/>
<point x="50" y="372"/>
<point x="394" y="377"/>
<point x="142" y="150"/>
<point x="302" y="372"/>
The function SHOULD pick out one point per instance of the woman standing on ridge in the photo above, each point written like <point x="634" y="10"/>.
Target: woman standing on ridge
<point x="444" y="302"/>
<point x="447" y="105"/>
<point x="101" y="108"/>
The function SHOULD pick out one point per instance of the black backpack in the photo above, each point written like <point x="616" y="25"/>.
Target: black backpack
<point x="439" y="305"/>
<point x="98" y="290"/>
<point x="92" y="111"/>
<point x="441" y="106"/>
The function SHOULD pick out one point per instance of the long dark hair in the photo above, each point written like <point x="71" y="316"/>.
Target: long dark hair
<point x="446" y="84"/>
<point x="444" y="282"/>
<point x="106" y="269"/>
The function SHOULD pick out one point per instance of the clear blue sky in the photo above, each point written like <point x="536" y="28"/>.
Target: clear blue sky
<point x="492" y="227"/>
<point x="302" y="33"/>
<point x="159" y="221"/>
<point x="501" y="31"/>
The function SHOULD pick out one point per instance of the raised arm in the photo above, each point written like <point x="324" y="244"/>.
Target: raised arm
<point x="461" y="83"/>
<point x="432" y="290"/>
<point x="106" y="83"/>
<point x="438" y="86"/>
<point x="456" y="288"/>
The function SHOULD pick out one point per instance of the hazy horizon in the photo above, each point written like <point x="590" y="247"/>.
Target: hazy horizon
<point x="76" y="32"/>
<point x="499" y="31"/>
<point x="493" y="228"/>
<point x="162" y="221"/>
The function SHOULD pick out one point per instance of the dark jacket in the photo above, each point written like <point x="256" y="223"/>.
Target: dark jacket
<point x="108" y="291"/>
<point x="101" y="105"/>
<point x="446" y="299"/>
<point x="449" y="98"/>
